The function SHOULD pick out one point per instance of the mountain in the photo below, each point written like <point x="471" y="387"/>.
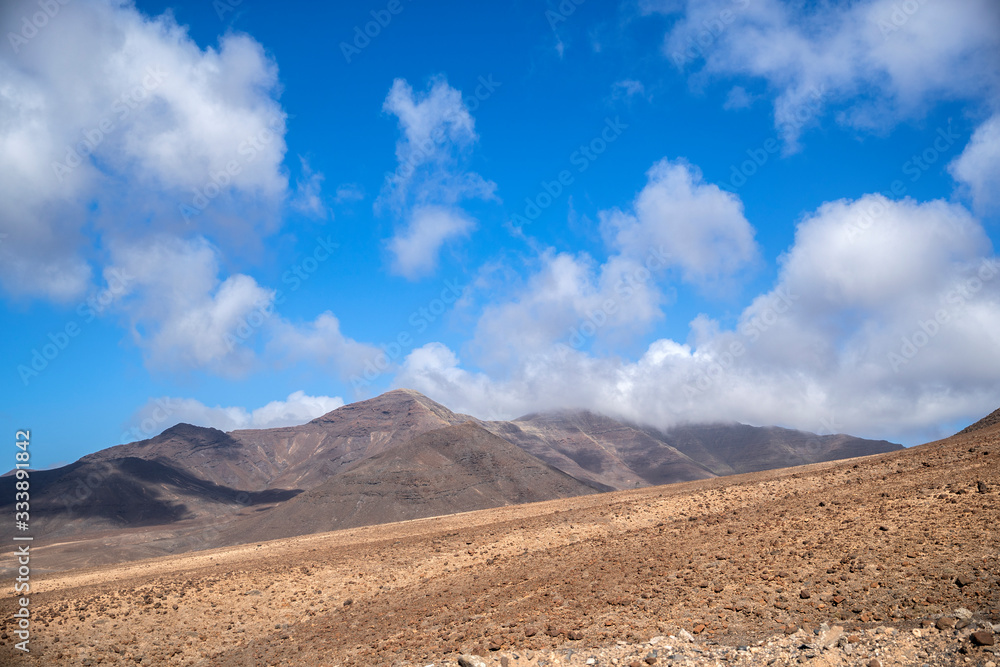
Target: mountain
<point x="293" y="457"/>
<point x="453" y="469"/>
<point x="618" y="455"/>
<point x="600" y="449"/>
<point x="733" y="448"/>
<point x="989" y="420"/>
<point x="393" y="457"/>
<point x="126" y="492"/>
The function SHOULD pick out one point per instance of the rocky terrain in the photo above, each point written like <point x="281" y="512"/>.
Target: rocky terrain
<point x="370" y="462"/>
<point x="884" y="560"/>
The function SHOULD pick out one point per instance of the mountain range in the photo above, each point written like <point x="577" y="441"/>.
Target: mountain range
<point x="397" y="456"/>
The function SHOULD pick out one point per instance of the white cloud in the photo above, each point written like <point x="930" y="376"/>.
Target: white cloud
<point x="182" y="314"/>
<point x="321" y="342"/>
<point x="883" y="322"/>
<point x="885" y="62"/>
<point x="701" y="226"/>
<point x="978" y="167"/>
<point x="437" y="132"/>
<point x="160" y="414"/>
<point x="570" y="299"/>
<point x="677" y="221"/>
<point x="415" y="248"/>
<point x="112" y="120"/>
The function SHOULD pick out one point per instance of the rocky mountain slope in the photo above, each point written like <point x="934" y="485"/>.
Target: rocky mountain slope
<point x="370" y="462"/>
<point x="884" y="560"/>
<point x="452" y="469"/>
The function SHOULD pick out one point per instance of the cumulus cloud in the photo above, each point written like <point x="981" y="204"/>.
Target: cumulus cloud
<point x="701" y="226"/>
<point x="436" y="134"/>
<point x="159" y="414"/>
<point x="886" y="62"/>
<point x="883" y="321"/>
<point x="320" y="342"/>
<point x="572" y="300"/>
<point x="415" y="248"/>
<point x="182" y="314"/>
<point x="677" y="226"/>
<point x="978" y="167"/>
<point x="116" y="123"/>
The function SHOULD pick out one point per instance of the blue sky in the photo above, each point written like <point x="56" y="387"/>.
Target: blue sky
<point x="244" y="215"/>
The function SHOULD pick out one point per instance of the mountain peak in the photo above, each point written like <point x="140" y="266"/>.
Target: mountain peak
<point x="391" y="404"/>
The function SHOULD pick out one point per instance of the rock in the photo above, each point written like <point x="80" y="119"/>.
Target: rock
<point x="982" y="488"/>
<point x="348" y="602"/>
<point x="471" y="661"/>
<point x="964" y="580"/>
<point x="650" y="659"/>
<point x="874" y="662"/>
<point x="945" y="623"/>
<point x="982" y="638"/>
<point x="805" y="595"/>
<point x="686" y="636"/>
<point x="829" y="638"/>
<point x="574" y="635"/>
<point x="505" y="662"/>
<point x="530" y="632"/>
<point x="698" y="629"/>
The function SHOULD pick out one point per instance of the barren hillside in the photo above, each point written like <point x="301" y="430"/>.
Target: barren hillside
<point x="890" y="558"/>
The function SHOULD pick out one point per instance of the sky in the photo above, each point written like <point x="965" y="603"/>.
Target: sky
<point x="244" y="214"/>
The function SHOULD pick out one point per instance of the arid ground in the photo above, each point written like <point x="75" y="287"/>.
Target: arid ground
<point x="889" y="559"/>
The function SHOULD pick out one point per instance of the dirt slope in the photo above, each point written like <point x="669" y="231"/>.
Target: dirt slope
<point x="890" y="540"/>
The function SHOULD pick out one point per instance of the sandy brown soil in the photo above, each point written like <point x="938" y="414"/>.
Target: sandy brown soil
<point x="764" y="568"/>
